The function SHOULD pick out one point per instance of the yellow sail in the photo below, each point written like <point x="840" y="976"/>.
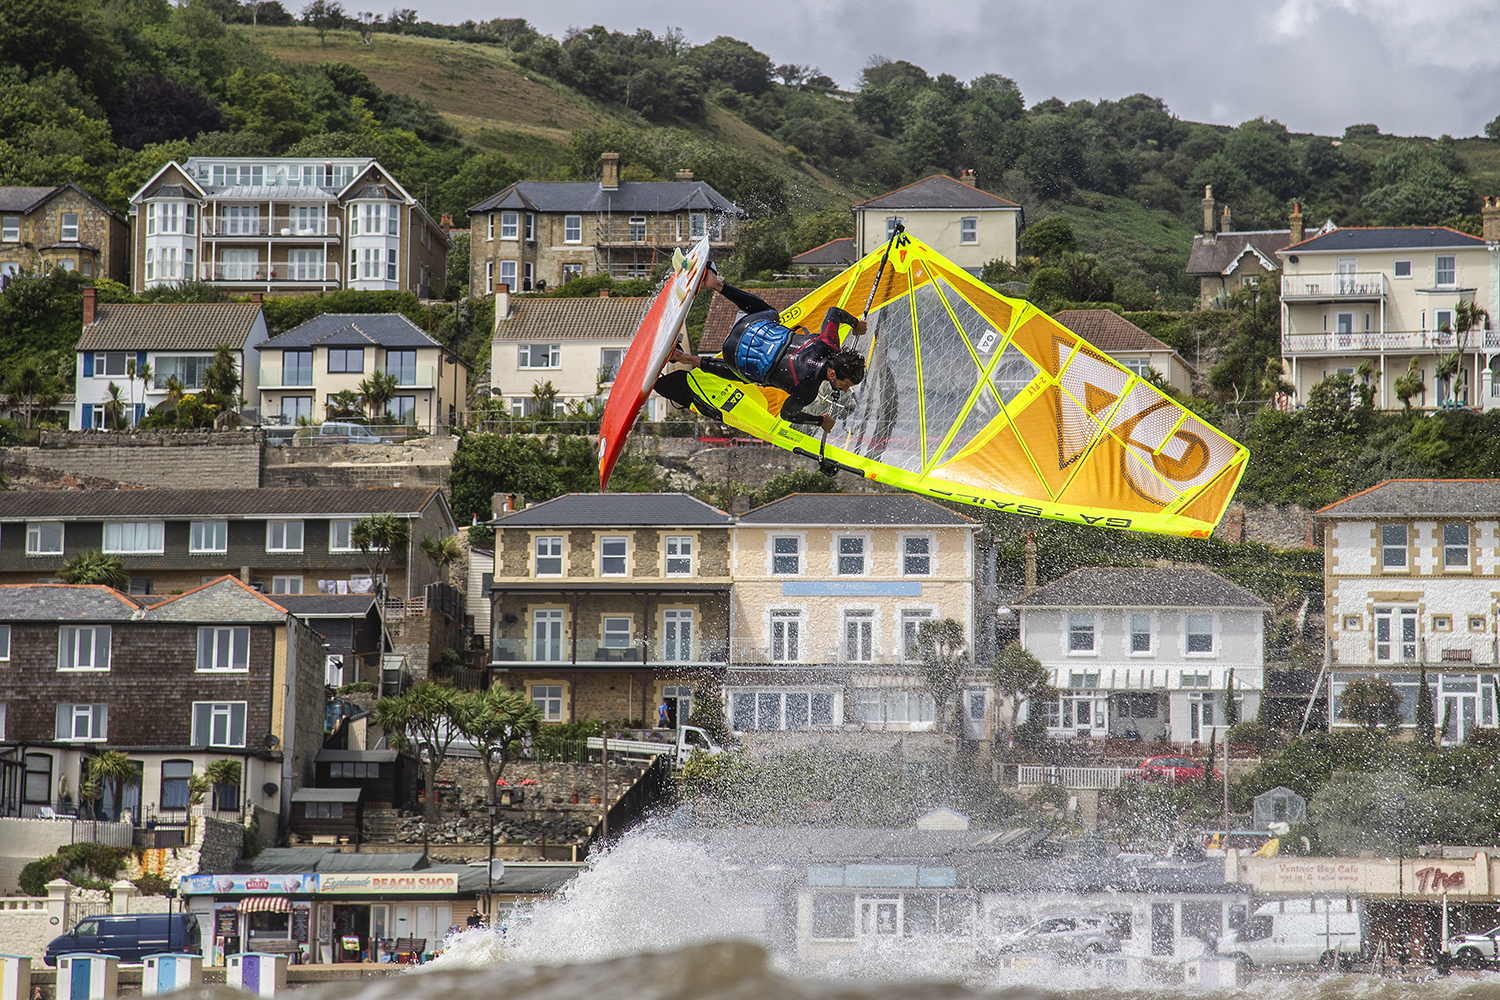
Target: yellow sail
<point x="979" y="398"/>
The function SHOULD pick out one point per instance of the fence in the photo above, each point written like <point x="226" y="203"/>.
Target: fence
<point x="1074" y="777"/>
<point x="649" y="789"/>
<point x="79" y="909"/>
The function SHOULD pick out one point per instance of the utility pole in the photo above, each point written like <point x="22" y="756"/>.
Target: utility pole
<point x="604" y="776"/>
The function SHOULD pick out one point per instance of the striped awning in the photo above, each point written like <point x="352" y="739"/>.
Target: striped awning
<point x="265" y="904"/>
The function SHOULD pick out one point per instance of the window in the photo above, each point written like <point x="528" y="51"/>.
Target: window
<point x="283" y="536"/>
<point x="1395" y="634"/>
<point x="1456" y="546"/>
<point x="911" y="625"/>
<point x="218" y="724"/>
<point x="354" y="769"/>
<point x="859" y="627"/>
<point x="489" y="276"/>
<point x="151" y="218"/>
<point x="5" y="645"/>
<point x="209" y="536"/>
<point x="1393" y="546"/>
<point x="390" y="265"/>
<point x="548" y="698"/>
<point x="70" y="227"/>
<point x="547" y="634"/>
<point x="851" y="556"/>
<point x="491" y="230"/>
<point x="44" y="538"/>
<point x="37" y="789"/>
<point x="244" y="220"/>
<point x="83" y="647"/>
<point x="540" y="356"/>
<point x="786" y="635"/>
<point x="916" y="557"/>
<point x="1200" y="633"/>
<point x="878" y="706"/>
<point x="286" y="584"/>
<point x="402" y="409"/>
<point x="1444" y="270"/>
<point x="968" y="231"/>
<point x="392" y="220"/>
<point x="780" y="709"/>
<point x="341" y="535"/>
<point x="82" y="722"/>
<point x="510" y="225"/>
<point x="296" y="367"/>
<point x="612" y="556"/>
<point x="679" y="555"/>
<point x="1140" y="633"/>
<point x="508" y="274"/>
<point x="572" y="229"/>
<point x="677" y="635"/>
<point x="343" y="360"/>
<point x="616" y="632"/>
<point x="1081" y="632"/>
<point x="571" y="271"/>
<point x="1402" y="269"/>
<point x="637" y="229"/>
<point x="890" y="226"/>
<point x="1442" y="623"/>
<point x="403" y="365"/>
<point x="10" y="229"/>
<point x="109" y="364"/>
<point x="323" y="810"/>
<point x="609" y="363"/>
<point x="175" y="778"/>
<point x="186" y="369"/>
<point x="786" y="559"/>
<point x="530" y="227"/>
<point x="223" y="648"/>
<point x="1442" y="320"/>
<point x="133" y="536"/>
<point x="549" y="555"/>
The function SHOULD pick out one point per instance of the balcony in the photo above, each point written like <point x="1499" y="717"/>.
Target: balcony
<point x="523" y="653"/>
<point x="414" y="376"/>
<point x="286" y="378"/>
<point x="1384" y="342"/>
<point x="274" y="272"/>
<point x="1349" y="287"/>
<point x="654" y="233"/>
<point x="282" y="228"/>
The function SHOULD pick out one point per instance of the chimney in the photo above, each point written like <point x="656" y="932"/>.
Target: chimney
<point x="91" y="294"/>
<point x="1030" y="577"/>
<point x="1295" y="221"/>
<point x="502" y="305"/>
<point x="1209" y="234"/>
<point x="604" y="293"/>
<point x="611" y="178"/>
<point x="446" y="223"/>
<point x="257" y="298"/>
<point x="503" y="504"/>
<point x="739" y="505"/>
<point x="684" y="175"/>
<point x="1227" y="226"/>
<point x="1491" y="212"/>
<point x="966" y="178"/>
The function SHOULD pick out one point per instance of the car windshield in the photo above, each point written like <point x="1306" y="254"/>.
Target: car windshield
<point x="88" y="928"/>
<point x="1057" y="925"/>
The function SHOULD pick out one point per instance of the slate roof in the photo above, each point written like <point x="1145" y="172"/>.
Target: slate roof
<point x="840" y="251"/>
<point x="61" y="505"/>
<point x="49" y="602"/>
<point x="1387" y="238"/>
<point x="722" y="313"/>
<point x="838" y="509"/>
<point x="22" y="199"/>
<point x="937" y="191"/>
<point x="588" y="196"/>
<point x="1220" y="256"/>
<point x="1142" y="587"/>
<point x="353" y="330"/>
<point x="227" y="599"/>
<point x="1109" y="331"/>
<point x="170" y="326"/>
<point x="328" y="795"/>
<point x="372" y="756"/>
<point x="614" y="318"/>
<point x="617" y="510"/>
<point x="378" y="192"/>
<point x="327" y="605"/>
<point x="1421" y="497"/>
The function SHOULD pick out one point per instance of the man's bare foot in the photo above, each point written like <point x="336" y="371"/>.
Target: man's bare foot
<point x="712" y="281"/>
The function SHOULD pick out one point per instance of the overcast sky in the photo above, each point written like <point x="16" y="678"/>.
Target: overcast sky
<point x="1425" y="68"/>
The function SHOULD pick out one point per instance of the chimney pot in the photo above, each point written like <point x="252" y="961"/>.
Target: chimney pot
<point x="1228" y="224"/>
<point x="604" y="293"/>
<point x="446" y="222"/>
<point x="610" y="164"/>
<point x="1209" y="233"/>
<point x="90" y="304"/>
<point x="967" y="178"/>
<point x="684" y="175"/>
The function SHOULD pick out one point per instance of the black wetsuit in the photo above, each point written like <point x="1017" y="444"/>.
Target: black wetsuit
<point x="792" y="360"/>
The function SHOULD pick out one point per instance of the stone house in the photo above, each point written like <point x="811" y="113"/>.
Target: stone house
<point x="1225" y="261"/>
<point x="1129" y="345"/>
<point x="604" y="606"/>
<point x="46" y="227"/>
<point x="574" y="344"/>
<point x="968" y="226"/>
<point x="1409" y="577"/>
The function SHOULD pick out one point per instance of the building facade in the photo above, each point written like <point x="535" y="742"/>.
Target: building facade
<point x="46" y="227"/>
<point x="1145" y="652"/>
<point x="1226" y="262"/>
<point x="968" y="226"/>
<point x="292" y="224"/>
<point x="1409" y="579"/>
<point x="536" y="235"/>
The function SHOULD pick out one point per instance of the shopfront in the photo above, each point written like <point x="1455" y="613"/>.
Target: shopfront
<point x="373" y="917"/>
<point x="262" y="913"/>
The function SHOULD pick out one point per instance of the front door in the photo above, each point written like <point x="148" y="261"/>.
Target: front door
<point x="976" y="707"/>
<point x="1347" y="267"/>
<point x="1460" y="716"/>
<point x="1163" y="927"/>
<point x="879" y="916"/>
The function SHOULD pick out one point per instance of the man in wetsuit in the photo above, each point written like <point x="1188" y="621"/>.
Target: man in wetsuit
<point x="761" y="350"/>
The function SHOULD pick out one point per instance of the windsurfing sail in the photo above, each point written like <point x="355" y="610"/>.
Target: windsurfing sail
<point x="647" y="355"/>
<point x="976" y="397"/>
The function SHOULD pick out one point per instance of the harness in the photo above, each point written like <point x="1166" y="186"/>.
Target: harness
<point x="760" y="345"/>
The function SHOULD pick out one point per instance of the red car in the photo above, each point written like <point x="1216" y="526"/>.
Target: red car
<point x="1178" y="770"/>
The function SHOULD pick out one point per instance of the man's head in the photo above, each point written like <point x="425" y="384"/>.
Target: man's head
<point x="846" y="368"/>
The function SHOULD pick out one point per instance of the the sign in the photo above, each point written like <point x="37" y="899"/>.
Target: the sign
<point x="394" y="884"/>
<point x="1422" y="878"/>
<point x="247" y="885"/>
<point x="301" y="921"/>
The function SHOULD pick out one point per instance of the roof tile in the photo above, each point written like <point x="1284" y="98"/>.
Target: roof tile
<point x="617" y="510"/>
<point x="573" y="319"/>
<point x="18" y="505"/>
<point x="855" y="508"/>
<point x="354" y="329"/>
<point x="170" y="326"/>
<point x="1109" y="331"/>
<point x="1217" y="257"/>
<point x="1142" y="587"/>
<point x="937" y="191"/>
<point x="588" y="196"/>
<point x="1421" y="497"/>
<point x="1387" y="238"/>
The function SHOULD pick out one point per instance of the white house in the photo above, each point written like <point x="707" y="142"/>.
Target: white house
<point x="968" y="226"/>
<point x="1145" y="650"/>
<point x="574" y="344"/>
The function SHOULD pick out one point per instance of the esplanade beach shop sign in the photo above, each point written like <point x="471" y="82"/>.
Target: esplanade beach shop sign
<point x="394" y="884"/>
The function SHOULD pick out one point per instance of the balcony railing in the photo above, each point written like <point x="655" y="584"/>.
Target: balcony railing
<point x="283" y="378"/>
<point x="524" y="652"/>
<point x="414" y="376"/>
<point x="280" y="272"/>
<point x="1327" y="287"/>
<point x="654" y="233"/>
<point x="280" y="228"/>
<point x="1388" y="341"/>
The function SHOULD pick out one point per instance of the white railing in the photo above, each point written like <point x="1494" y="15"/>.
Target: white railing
<point x="13" y="904"/>
<point x="279" y="228"/>
<point x="1389" y="341"/>
<point x="1096" y="778"/>
<point x="278" y="271"/>
<point x="1356" y="285"/>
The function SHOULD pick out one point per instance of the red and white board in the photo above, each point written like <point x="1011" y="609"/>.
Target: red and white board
<point x="648" y="355"/>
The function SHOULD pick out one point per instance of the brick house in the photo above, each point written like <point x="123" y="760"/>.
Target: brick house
<point x="1129" y="345"/>
<point x="217" y="672"/>
<point x="576" y="344"/>
<point x="605" y="605"/>
<point x="46" y="227"/>
<point x="542" y="234"/>
<point x="722" y="314"/>
<point x="292" y="224"/>
<point x="968" y="226"/>
<point x="1225" y="261"/>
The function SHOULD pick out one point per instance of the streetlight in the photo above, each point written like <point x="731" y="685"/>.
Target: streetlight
<point x="1401" y="879"/>
<point x="489" y="890"/>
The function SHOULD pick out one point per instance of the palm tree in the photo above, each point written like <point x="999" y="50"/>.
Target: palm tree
<point x="378" y="537"/>
<point x="377" y="391"/>
<point x="95" y="568"/>
<point x="221" y="774"/>
<point x="342" y="405"/>
<point x="1409" y="384"/>
<point x="31" y="387"/>
<point x="443" y="552"/>
<point x="543" y="400"/>
<point x="114" y="770"/>
<point x="114" y="408"/>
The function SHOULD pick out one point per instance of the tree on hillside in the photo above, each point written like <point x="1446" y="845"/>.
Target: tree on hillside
<point x="1422" y="730"/>
<point x="33" y="388"/>
<point x="381" y="538"/>
<point x="443" y="552"/>
<point x="324" y="16"/>
<point x="486" y="464"/>
<point x="1370" y="701"/>
<point x="376" y="392"/>
<point x="421" y="720"/>
<point x="941" y="645"/>
<point x="112" y="770"/>
<point x="1409" y="384"/>
<point x="157" y="110"/>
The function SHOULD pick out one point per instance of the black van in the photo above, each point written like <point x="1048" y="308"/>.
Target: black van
<point x="131" y="937"/>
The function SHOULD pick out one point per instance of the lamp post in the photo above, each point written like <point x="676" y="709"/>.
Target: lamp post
<point x="489" y="871"/>
<point x="1401" y="879"/>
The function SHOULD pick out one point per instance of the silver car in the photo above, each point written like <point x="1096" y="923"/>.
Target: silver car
<point x="1067" y="933"/>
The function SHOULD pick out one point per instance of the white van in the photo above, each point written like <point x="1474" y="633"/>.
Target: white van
<point x="1319" y="931"/>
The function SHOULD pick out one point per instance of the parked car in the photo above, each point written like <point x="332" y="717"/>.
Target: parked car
<point x="1067" y="934"/>
<point x="339" y="432"/>
<point x="1476" y="951"/>
<point x="1178" y="770"/>
<point x="130" y="937"/>
<point x="1325" y="931"/>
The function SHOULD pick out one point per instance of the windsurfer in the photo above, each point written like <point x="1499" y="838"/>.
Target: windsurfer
<point x="761" y="350"/>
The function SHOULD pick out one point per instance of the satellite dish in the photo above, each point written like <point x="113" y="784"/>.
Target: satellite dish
<point x="270" y="788"/>
<point x="497" y="870"/>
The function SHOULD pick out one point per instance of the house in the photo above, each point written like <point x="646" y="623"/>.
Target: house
<point x="1146" y="651"/>
<point x="1377" y="303"/>
<point x="833" y="256"/>
<point x="1225" y="261"/>
<point x="217" y="672"/>
<point x="604" y="606"/>
<point x="1129" y="345"/>
<point x="829" y="594"/>
<point x="177" y="340"/>
<point x="286" y="541"/>
<point x="1409" y="573"/>
<point x="536" y="235"/>
<point x="303" y="368"/>
<point x="968" y="226"/>
<point x="351" y="628"/>
<point x="65" y="226"/>
<point x="722" y="314"/>
<point x="575" y="345"/>
<point x="292" y="224"/>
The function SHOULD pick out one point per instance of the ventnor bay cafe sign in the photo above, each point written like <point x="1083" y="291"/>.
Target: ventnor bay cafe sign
<point x="1425" y="878"/>
<point x="360" y="884"/>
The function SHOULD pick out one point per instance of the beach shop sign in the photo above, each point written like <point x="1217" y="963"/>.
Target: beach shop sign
<point x="394" y="884"/>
